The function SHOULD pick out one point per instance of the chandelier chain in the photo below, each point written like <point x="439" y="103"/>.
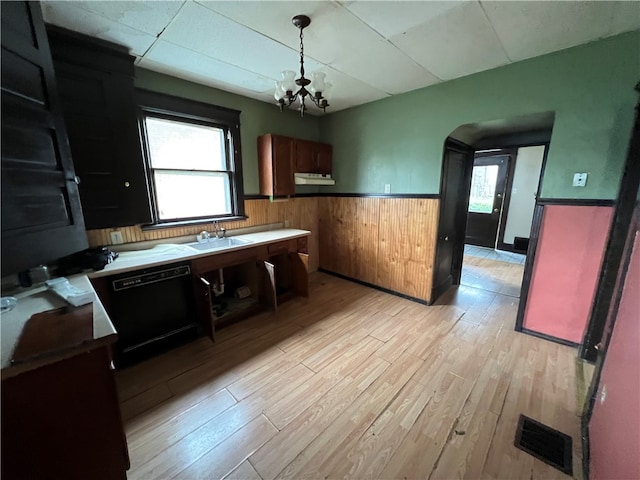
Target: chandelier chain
<point x="301" y="53"/>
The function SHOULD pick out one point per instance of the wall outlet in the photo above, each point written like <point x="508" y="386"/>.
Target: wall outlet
<point x="286" y="224"/>
<point x="116" y="238"/>
<point x="580" y="179"/>
<point x="387" y="188"/>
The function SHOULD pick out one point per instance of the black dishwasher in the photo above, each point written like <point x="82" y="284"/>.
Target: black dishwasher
<point x="153" y="310"/>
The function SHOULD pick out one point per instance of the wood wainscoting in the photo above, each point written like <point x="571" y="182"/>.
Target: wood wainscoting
<point x="386" y="242"/>
<point x="300" y="212"/>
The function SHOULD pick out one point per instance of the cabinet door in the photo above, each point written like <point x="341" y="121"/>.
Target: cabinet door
<point x="41" y="213"/>
<point x="323" y="154"/>
<point x="202" y="289"/>
<point x="299" y="264"/>
<point x="96" y="91"/>
<point x="305" y="160"/>
<point x="283" y="166"/>
<point x="269" y="285"/>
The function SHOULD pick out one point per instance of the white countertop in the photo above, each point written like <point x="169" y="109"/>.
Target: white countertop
<point x="39" y="299"/>
<point x="171" y="252"/>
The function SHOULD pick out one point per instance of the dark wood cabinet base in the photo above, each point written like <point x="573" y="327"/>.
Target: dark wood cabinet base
<point x="63" y="421"/>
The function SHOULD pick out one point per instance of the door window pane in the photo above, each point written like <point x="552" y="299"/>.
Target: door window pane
<point x="483" y="188"/>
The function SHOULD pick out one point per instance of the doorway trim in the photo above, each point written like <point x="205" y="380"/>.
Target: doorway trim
<point x="607" y="332"/>
<point x="620" y="225"/>
<point x="460" y="222"/>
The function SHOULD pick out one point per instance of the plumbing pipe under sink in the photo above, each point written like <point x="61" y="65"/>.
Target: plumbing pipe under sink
<point x="218" y="284"/>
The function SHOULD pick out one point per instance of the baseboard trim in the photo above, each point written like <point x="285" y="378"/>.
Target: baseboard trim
<point x="577" y="202"/>
<point x="550" y="338"/>
<point x="376" y="287"/>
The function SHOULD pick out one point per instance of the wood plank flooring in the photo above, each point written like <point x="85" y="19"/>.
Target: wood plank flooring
<point x="353" y="383"/>
<point x="493" y="275"/>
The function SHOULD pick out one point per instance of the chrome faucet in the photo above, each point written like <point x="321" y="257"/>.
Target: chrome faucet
<point x="203" y="237"/>
<point x="219" y="231"/>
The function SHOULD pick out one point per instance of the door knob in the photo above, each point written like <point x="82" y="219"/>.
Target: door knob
<point x="446" y="239"/>
<point x="127" y="184"/>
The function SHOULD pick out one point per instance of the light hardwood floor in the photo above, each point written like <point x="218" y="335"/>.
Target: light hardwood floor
<point x="492" y="275"/>
<point x="355" y="383"/>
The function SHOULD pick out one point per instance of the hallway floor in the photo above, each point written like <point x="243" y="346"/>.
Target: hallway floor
<point x="492" y="270"/>
<point x="492" y="254"/>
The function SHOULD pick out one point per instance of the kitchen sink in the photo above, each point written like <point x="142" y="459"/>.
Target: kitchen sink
<point x="218" y="243"/>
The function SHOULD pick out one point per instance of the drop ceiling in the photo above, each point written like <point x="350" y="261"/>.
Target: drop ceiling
<point x="368" y="49"/>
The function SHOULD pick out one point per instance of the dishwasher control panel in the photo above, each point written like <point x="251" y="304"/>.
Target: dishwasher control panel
<point x="150" y="277"/>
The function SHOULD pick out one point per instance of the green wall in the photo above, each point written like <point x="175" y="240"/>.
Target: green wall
<point x="399" y="140"/>
<point x="257" y="117"/>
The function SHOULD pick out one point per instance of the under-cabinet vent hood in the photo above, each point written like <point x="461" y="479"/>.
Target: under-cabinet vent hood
<point x="314" y="179"/>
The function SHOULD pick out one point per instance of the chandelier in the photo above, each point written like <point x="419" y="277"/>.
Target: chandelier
<point x="287" y="91"/>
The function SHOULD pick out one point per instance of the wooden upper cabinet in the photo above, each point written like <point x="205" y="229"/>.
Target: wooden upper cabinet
<point x="323" y="155"/>
<point x="305" y="158"/>
<point x="276" y="155"/>
<point x="313" y="157"/>
<point x="95" y="81"/>
<point x="41" y="213"/>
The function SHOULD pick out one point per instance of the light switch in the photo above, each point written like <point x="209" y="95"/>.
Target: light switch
<point x="580" y="179"/>
<point x="387" y="188"/>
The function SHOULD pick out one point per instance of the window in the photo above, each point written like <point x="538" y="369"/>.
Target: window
<point x="192" y="159"/>
<point x="483" y="188"/>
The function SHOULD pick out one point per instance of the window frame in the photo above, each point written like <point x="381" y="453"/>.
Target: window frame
<point x="169" y="107"/>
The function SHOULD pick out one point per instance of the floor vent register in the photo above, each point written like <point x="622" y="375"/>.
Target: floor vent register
<point x="545" y="443"/>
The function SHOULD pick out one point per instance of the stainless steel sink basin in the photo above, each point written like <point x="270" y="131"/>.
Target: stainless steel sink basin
<point x="219" y="243"/>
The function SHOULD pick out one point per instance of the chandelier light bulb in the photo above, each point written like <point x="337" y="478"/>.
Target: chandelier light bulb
<point x="280" y="93"/>
<point x="288" y="80"/>
<point x="317" y="82"/>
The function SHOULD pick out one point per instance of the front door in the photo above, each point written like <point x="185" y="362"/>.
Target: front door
<point x="454" y="192"/>
<point x="486" y="200"/>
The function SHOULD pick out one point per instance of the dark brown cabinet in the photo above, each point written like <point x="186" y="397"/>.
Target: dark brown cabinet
<point x="305" y="156"/>
<point x="269" y="274"/>
<point x="41" y="212"/>
<point x="63" y="420"/>
<point x="322" y="154"/>
<point x="279" y="157"/>
<point x="313" y="157"/>
<point x="276" y="163"/>
<point x="95" y="81"/>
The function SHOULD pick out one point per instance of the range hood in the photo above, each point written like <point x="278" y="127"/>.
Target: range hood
<point x="314" y="179"/>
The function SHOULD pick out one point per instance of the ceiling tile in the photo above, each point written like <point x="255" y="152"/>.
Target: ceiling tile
<point x="368" y="49"/>
<point x="335" y="37"/>
<point x="626" y="17"/>
<point x="69" y="16"/>
<point x="529" y="29"/>
<point x="179" y="61"/>
<point x="392" y="18"/>
<point x="348" y="91"/>
<point x="458" y="42"/>
<point x="148" y="17"/>
<point x="207" y="32"/>
<point x="272" y="19"/>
